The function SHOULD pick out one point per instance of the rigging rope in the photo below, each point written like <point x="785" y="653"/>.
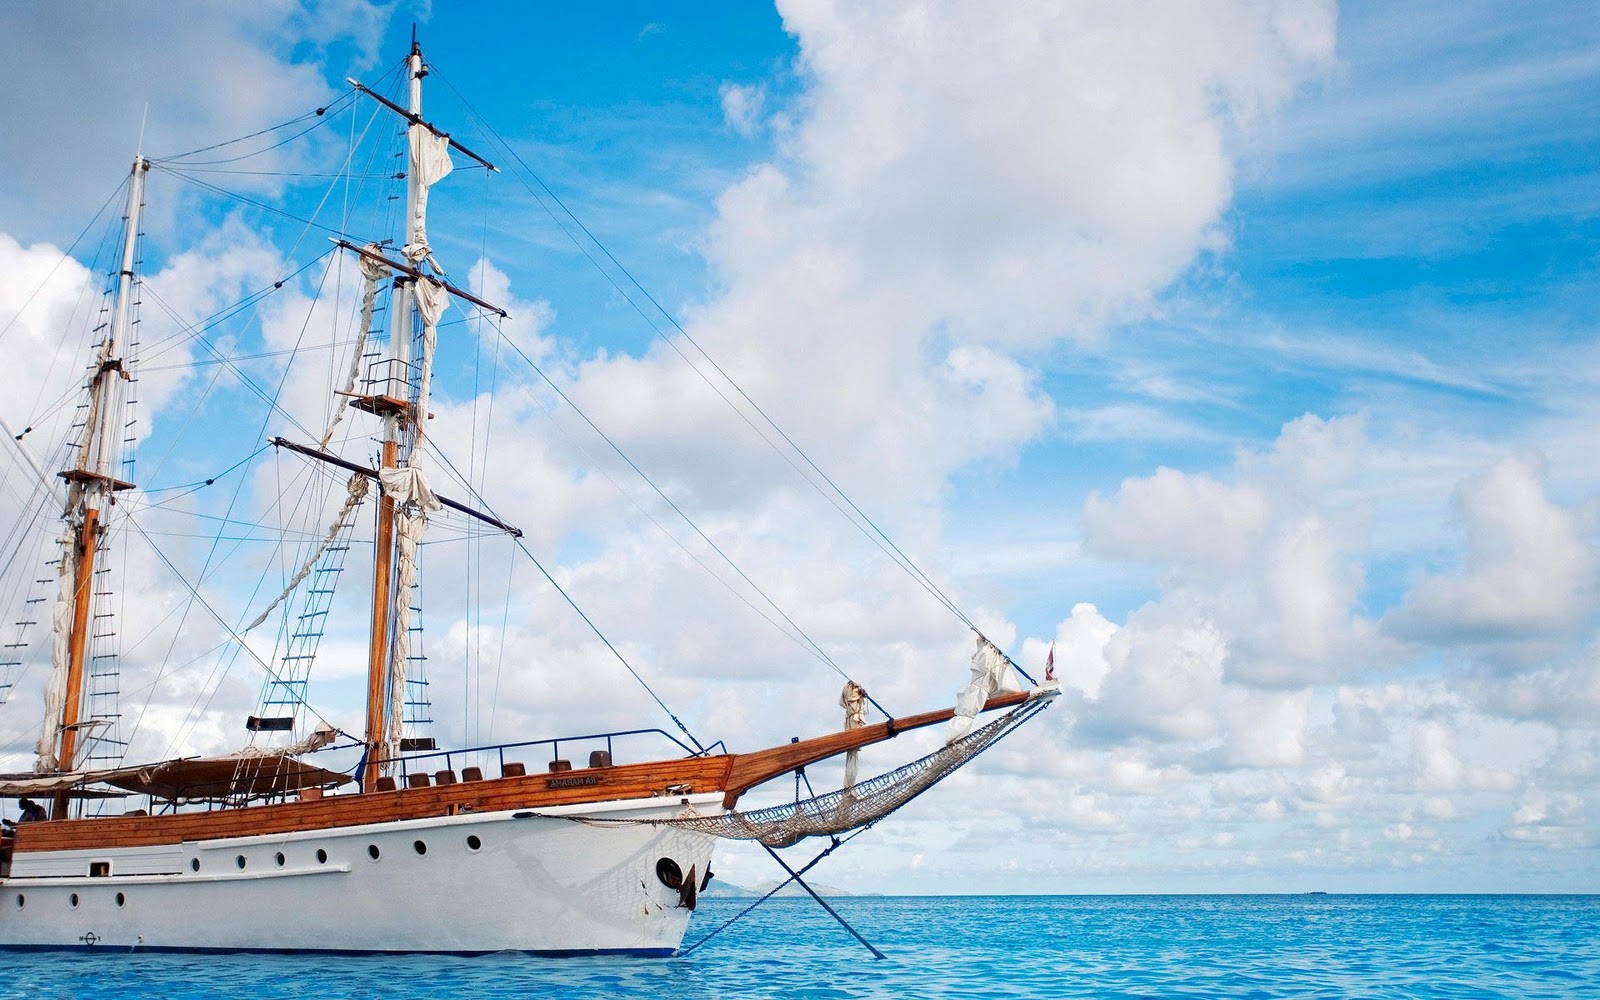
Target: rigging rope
<point x="523" y="545"/>
<point x="319" y="113"/>
<point x="876" y="534"/>
<point x="357" y="487"/>
<point x="194" y="593"/>
<point x="812" y="643"/>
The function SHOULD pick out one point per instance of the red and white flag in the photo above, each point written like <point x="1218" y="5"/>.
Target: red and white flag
<point x="1050" y="664"/>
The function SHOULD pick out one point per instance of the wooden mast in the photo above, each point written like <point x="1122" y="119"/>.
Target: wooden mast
<point x="92" y="484"/>
<point x="378" y="653"/>
<point x="398" y="423"/>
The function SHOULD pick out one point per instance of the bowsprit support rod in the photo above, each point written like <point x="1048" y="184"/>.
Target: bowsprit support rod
<point x="794" y="876"/>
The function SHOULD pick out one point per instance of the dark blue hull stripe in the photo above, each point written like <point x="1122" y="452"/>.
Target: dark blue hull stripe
<point x="125" y="949"/>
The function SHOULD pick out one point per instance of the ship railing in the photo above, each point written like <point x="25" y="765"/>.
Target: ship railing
<point x="391" y="378"/>
<point x="431" y="762"/>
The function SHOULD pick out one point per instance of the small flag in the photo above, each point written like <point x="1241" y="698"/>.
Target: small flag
<point x="1050" y="664"/>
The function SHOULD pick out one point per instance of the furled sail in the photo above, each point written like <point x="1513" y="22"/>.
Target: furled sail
<point x="853" y="699"/>
<point x="413" y="501"/>
<point x="372" y="271"/>
<point x="55" y="687"/>
<point x="992" y="674"/>
<point x="430" y="163"/>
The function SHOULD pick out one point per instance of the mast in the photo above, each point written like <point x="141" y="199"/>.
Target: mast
<point x="90" y="487"/>
<point x="398" y="427"/>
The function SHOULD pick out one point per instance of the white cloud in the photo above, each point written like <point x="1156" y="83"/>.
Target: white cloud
<point x="1178" y="518"/>
<point x="980" y="183"/>
<point x="742" y="105"/>
<point x="82" y="81"/>
<point x="1549" y="820"/>
<point x="1565" y="692"/>
<point x="1164" y="679"/>
<point x="1529" y="571"/>
<point x="1080" y="650"/>
<point x="1271" y="559"/>
<point x="528" y="321"/>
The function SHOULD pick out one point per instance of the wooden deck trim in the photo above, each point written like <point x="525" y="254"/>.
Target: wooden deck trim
<point x="731" y="774"/>
<point x="533" y="791"/>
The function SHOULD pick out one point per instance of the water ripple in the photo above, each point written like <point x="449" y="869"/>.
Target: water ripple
<point x="953" y="947"/>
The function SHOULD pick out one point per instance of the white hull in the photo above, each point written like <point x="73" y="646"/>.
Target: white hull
<point x="534" y="883"/>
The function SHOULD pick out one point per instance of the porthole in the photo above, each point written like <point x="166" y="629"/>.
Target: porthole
<point x="419" y="847"/>
<point x="122" y="900"/>
<point x="373" y="852"/>
<point x="278" y="858"/>
<point x="322" y="856"/>
<point x="239" y="861"/>
<point x="668" y="872"/>
<point x="473" y="843"/>
<point x="73" y="900"/>
<point x="194" y="864"/>
<point x="21" y="900"/>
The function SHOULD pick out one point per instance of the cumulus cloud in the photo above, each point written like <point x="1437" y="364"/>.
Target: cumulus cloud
<point x="1257" y="683"/>
<point x="930" y="218"/>
<point x="1565" y="692"/>
<point x="1164" y="676"/>
<point x="1271" y="557"/>
<point x="1549" y="820"/>
<point x="51" y="293"/>
<point x="1529" y="570"/>
<point x="958" y="185"/>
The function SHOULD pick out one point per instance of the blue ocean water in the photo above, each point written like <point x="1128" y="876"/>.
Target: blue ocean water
<point x="939" y="947"/>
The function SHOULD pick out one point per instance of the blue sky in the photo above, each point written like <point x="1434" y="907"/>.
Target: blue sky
<point x="1244" y="351"/>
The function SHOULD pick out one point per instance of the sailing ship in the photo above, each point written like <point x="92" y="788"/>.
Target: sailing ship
<point x="522" y="846"/>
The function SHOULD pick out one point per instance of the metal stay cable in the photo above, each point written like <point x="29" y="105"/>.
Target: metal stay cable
<point x="235" y="638"/>
<point x="253" y="203"/>
<point x="321" y="114"/>
<point x="523" y="545"/>
<point x="876" y="534"/>
<point x="809" y="642"/>
<point x="65" y="256"/>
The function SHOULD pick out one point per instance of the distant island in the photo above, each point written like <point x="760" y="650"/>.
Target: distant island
<point x="719" y="888"/>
